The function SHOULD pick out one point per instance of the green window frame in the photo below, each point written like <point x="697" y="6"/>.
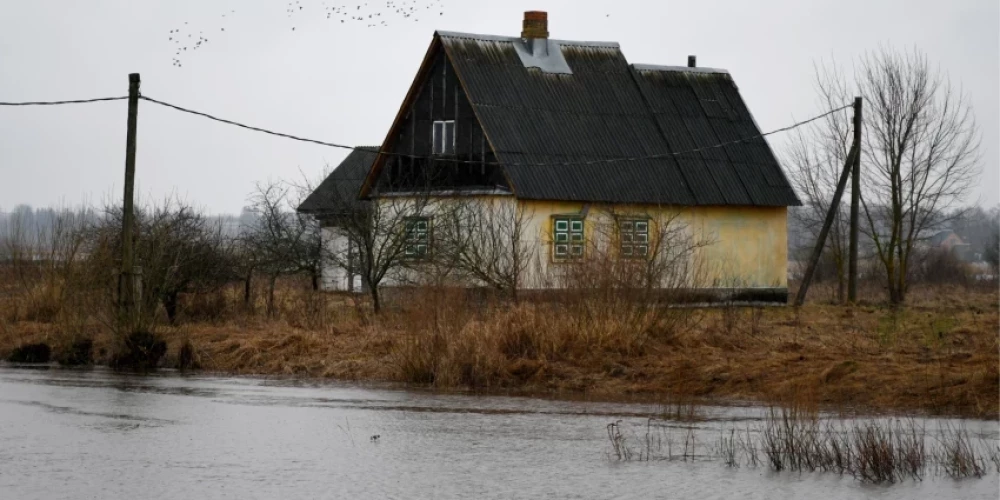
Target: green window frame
<point x="416" y="237"/>
<point x="633" y="238"/>
<point x="567" y="237"/>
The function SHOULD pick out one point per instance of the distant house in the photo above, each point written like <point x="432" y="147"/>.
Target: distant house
<point x="950" y="241"/>
<point x="578" y="136"/>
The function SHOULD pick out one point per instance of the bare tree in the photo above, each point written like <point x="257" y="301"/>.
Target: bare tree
<point x="486" y="241"/>
<point x="280" y="241"/>
<point x="650" y="252"/>
<point x="920" y="151"/>
<point x="179" y="250"/>
<point x="634" y="265"/>
<point x="383" y="236"/>
<point x="815" y="159"/>
<point x="991" y="251"/>
<point x="41" y="252"/>
<point x="245" y="263"/>
<point x="976" y="225"/>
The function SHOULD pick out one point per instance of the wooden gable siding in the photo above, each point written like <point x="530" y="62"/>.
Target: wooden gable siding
<point x="439" y="96"/>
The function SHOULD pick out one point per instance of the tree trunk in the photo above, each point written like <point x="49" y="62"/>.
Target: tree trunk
<point x="247" y="289"/>
<point x="270" y="295"/>
<point x="840" y="281"/>
<point x="376" y="300"/>
<point x="170" y="305"/>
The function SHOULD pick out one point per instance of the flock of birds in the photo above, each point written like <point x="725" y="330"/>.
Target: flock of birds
<point x="186" y="40"/>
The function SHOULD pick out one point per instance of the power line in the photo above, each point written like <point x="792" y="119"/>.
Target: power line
<point x="249" y="127"/>
<point x="57" y="103"/>
<point x="404" y="155"/>
<point x="476" y="162"/>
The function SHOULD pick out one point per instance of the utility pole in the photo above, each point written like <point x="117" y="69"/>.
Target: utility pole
<point x="800" y="297"/>
<point x="852" y="266"/>
<point x="128" y="287"/>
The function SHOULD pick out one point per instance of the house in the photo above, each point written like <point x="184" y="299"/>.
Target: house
<point x="335" y="198"/>
<point x="573" y="135"/>
<point x="950" y="242"/>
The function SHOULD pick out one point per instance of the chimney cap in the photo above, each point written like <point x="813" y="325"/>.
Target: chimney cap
<point x="692" y="61"/>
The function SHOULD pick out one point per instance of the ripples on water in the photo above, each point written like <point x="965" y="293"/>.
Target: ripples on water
<point x="95" y="434"/>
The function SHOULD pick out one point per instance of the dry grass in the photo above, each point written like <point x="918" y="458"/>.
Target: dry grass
<point x="937" y="355"/>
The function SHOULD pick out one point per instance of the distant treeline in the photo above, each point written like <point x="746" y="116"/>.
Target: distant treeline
<point x="36" y="221"/>
<point x="975" y="225"/>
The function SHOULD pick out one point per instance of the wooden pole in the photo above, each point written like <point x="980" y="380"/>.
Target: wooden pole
<point x="800" y="297"/>
<point x="128" y="298"/>
<point x="852" y="266"/>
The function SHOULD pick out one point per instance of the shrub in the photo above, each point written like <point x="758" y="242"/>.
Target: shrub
<point x="187" y="358"/>
<point x="141" y="351"/>
<point x="79" y="352"/>
<point x="31" y="353"/>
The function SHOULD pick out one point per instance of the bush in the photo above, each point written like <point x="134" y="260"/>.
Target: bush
<point x="141" y="351"/>
<point x="79" y="352"/>
<point x="31" y="353"/>
<point x="187" y="359"/>
<point x="941" y="267"/>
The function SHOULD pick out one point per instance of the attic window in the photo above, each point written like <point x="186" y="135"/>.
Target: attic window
<point x="443" y="137"/>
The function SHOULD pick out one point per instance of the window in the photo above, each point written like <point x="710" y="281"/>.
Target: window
<point x="567" y="237"/>
<point x="417" y="237"/>
<point x="443" y="138"/>
<point x="633" y="236"/>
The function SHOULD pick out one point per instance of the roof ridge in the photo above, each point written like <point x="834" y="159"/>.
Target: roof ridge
<point x="685" y="69"/>
<point x="501" y="38"/>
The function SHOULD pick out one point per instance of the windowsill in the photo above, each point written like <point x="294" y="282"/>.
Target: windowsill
<point x="566" y="260"/>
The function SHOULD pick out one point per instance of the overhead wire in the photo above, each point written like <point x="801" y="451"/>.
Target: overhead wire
<point x="479" y="162"/>
<point x="57" y="103"/>
<point x="592" y="161"/>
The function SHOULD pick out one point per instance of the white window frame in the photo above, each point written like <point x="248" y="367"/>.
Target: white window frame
<point x="633" y="237"/>
<point x="416" y="239"/>
<point x="439" y="145"/>
<point x="568" y="237"/>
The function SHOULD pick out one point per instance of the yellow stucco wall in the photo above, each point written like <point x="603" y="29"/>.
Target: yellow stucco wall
<point x="749" y="245"/>
<point x="743" y="246"/>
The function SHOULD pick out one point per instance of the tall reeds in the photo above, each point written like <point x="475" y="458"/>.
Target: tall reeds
<point x="881" y="450"/>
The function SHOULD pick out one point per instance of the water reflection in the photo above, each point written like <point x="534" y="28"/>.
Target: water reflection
<point x="83" y="434"/>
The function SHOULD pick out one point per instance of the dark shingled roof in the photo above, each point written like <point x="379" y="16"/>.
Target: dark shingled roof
<point x="609" y="109"/>
<point x="339" y="191"/>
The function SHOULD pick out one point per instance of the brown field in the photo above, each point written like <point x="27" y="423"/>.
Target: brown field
<point x="940" y="354"/>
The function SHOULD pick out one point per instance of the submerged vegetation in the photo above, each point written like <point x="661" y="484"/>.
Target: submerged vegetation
<point x="876" y="450"/>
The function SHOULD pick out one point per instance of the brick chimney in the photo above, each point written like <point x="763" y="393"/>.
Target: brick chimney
<point x="535" y="25"/>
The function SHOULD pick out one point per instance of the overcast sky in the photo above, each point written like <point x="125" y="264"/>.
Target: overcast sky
<point x="343" y="81"/>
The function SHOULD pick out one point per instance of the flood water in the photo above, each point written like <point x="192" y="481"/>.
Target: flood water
<point x="96" y="434"/>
